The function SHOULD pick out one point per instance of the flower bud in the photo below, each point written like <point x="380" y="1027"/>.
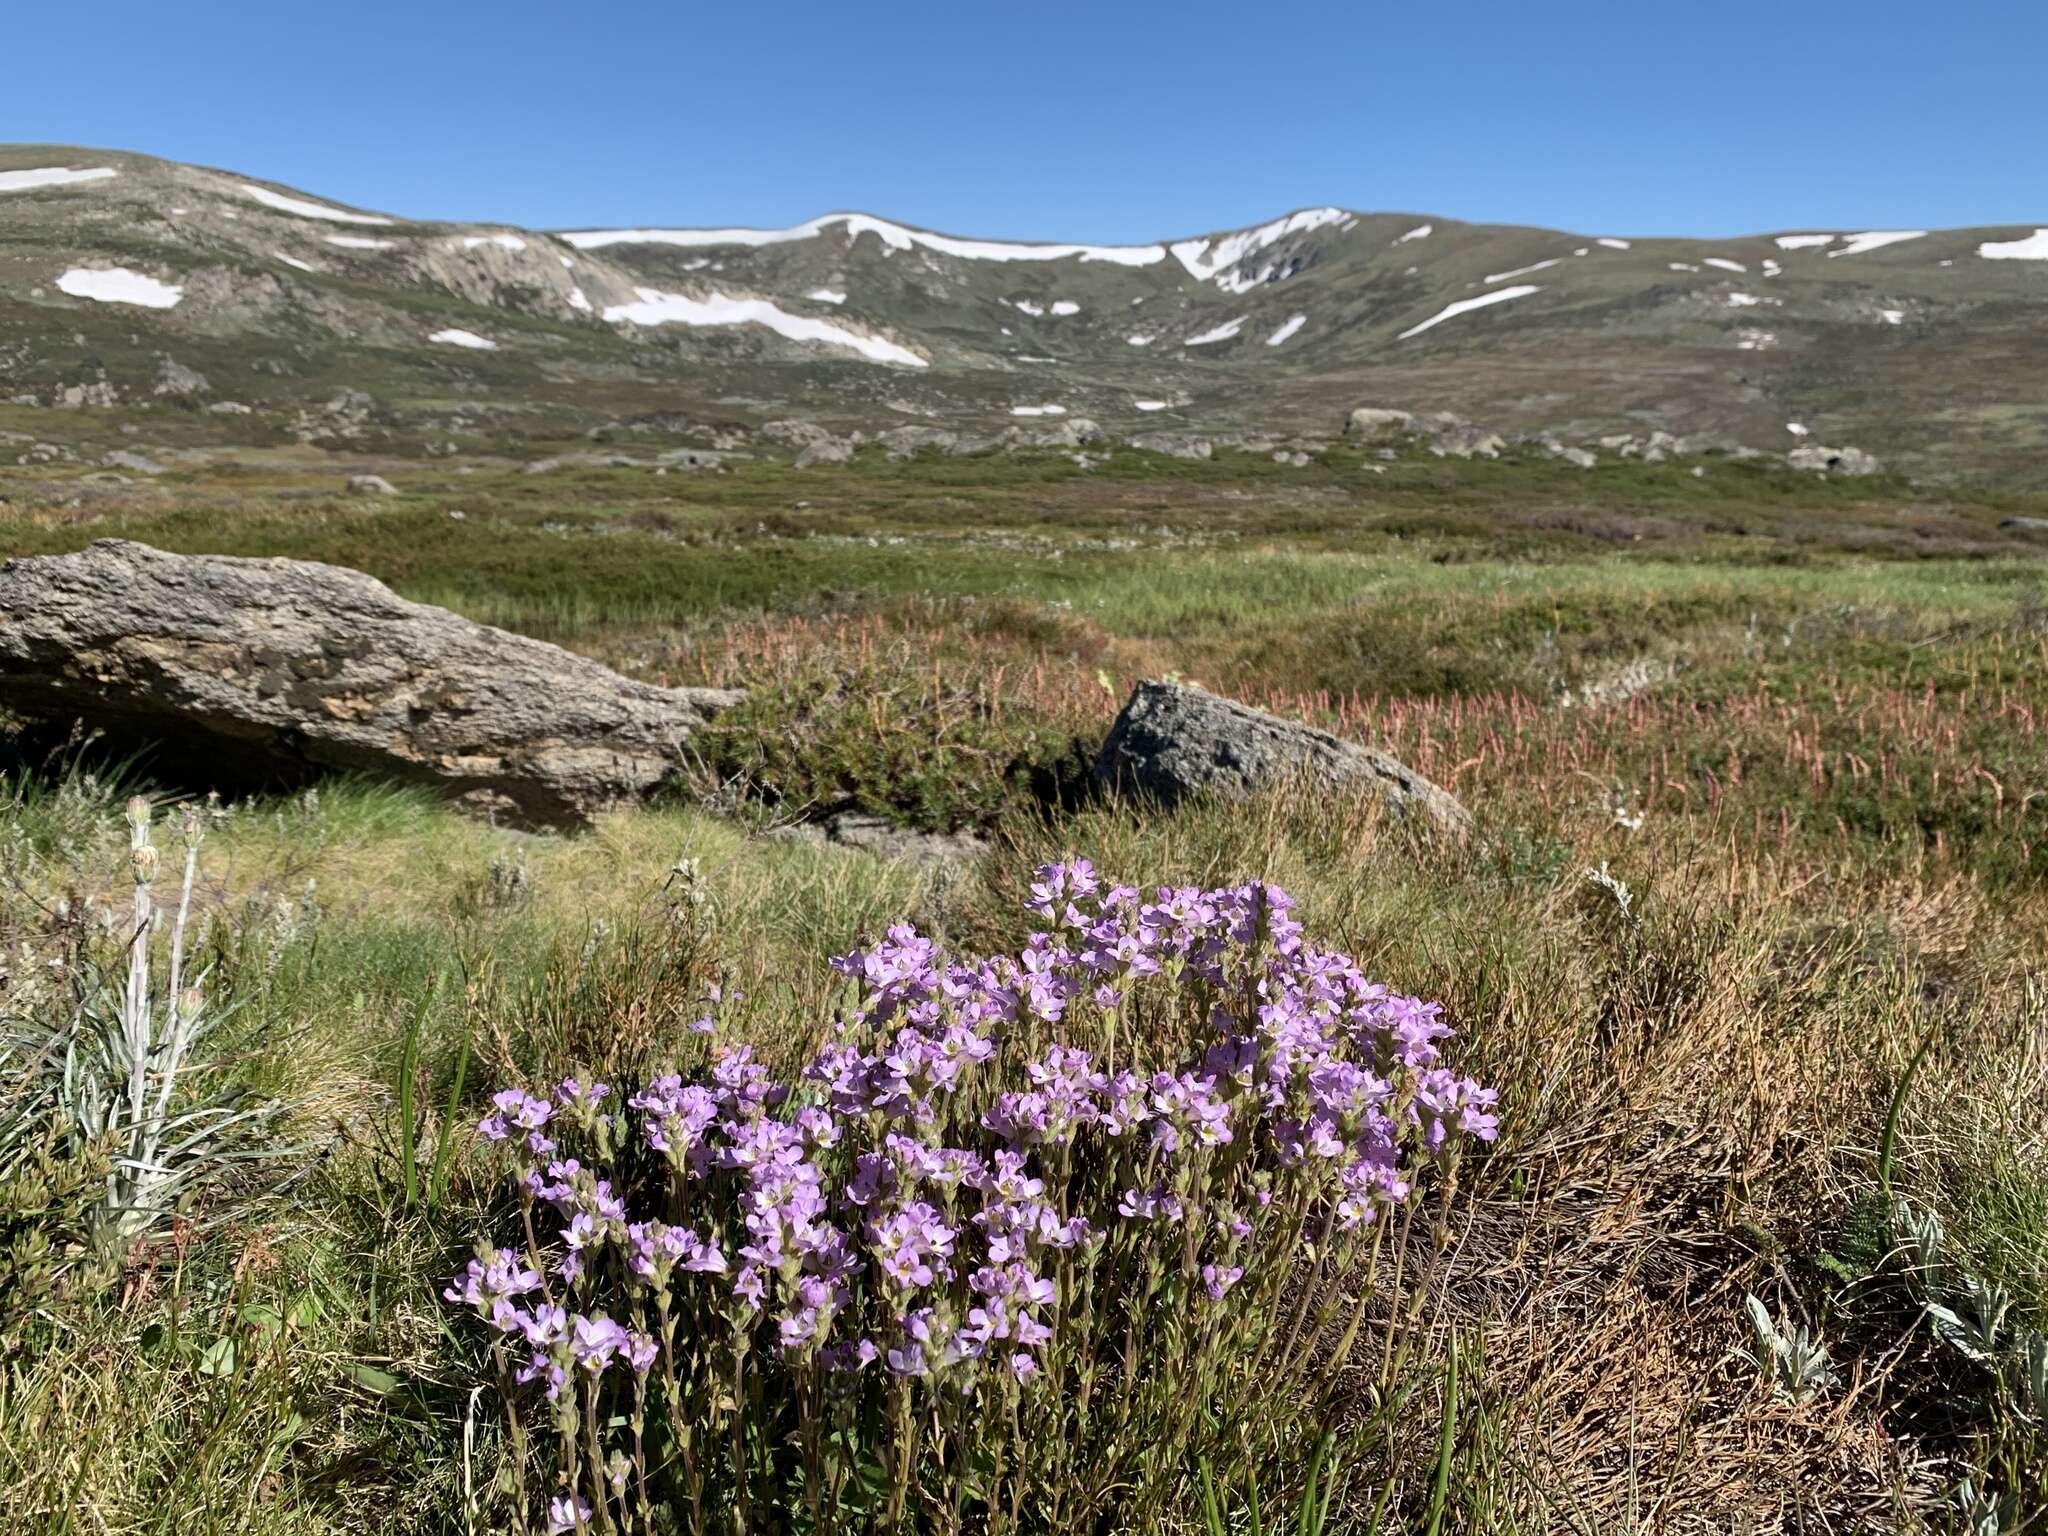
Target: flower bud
<point x="144" y="862"/>
<point x="138" y="812"/>
<point x="190" y="1001"/>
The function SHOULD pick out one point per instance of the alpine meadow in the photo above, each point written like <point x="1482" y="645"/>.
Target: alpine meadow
<point x="1364" y="874"/>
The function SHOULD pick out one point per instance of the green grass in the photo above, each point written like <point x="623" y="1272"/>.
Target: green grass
<point x="1826" y="805"/>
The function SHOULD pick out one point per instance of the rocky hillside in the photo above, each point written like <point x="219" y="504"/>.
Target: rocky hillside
<point x="274" y="314"/>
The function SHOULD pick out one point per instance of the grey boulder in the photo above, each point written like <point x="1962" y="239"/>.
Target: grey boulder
<point x="1370" y="420"/>
<point x="1173" y="741"/>
<point x="250" y="672"/>
<point x="370" y="485"/>
<point x="825" y="450"/>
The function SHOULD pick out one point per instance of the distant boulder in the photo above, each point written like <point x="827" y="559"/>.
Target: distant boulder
<point x="1175" y="445"/>
<point x="825" y="450"/>
<point x="122" y="458"/>
<point x="1173" y="741"/>
<point x="246" y="673"/>
<point x="1466" y="441"/>
<point x="1371" y="420"/>
<point x="693" y="458"/>
<point x="909" y="442"/>
<point x="175" y="379"/>
<point x="1834" y="461"/>
<point x="370" y="485"/>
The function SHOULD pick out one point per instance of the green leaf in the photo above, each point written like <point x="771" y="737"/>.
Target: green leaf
<point x="437" y="1188"/>
<point x="218" y="1358"/>
<point x="371" y="1379"/>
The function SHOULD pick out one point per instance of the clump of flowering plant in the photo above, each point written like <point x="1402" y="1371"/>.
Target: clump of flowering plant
<point x="1021" y="1236"/>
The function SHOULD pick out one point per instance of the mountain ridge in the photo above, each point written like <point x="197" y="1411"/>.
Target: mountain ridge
<point x="1929" y="346"/>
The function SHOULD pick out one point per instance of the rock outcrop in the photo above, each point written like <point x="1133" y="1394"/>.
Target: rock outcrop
<point x="1173" y="741"/>
<point x="246" y="672"/>
<point x="1175" y="445"/>
<point x="825" y="450"/>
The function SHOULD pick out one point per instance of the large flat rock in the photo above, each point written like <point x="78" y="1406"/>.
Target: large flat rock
<point x="1173" y="741"/>
<point x="265" y="671"/>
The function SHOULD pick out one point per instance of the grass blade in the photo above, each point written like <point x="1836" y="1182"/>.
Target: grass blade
<point x="1898" y="1104"/>
<point x="1440" y="1490"/>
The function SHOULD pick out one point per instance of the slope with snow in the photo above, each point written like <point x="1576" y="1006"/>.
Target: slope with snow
<point x="1465" y="306"/>
<point x="1536" y="266"/>
<point x="51" y="176"/>
<point x="1876" y="240"/>
<point x="1223" y="332"/>
<point x="654" y="307"/>
<point x="899" y="237"/>
<point x="2032" y="247"/>
<point x="1294" y="323"/>
<point x="304" y="209"/>
<point x="1210" y="258"/>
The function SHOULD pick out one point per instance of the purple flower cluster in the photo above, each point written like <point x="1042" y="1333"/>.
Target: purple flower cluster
<point x="845" y="1212"/>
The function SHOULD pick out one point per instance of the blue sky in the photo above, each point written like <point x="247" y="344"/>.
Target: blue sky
<point x="1106" y="121"/>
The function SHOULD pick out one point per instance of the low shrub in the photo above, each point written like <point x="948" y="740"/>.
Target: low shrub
<point x="1034" y="1240"/>
<point x="910" y="746"/>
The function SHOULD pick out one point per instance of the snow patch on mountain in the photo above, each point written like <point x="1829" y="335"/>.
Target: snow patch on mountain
<point x="470" y="339"/>
<point x="1803" y="242"/>
<point x="1875" y="240"/>
<point x="654" y="307"/>
<point x="1611" y="243"/>
<point x="827" y="295"/>
<point x="1464" y="306"/>
<point x="1223" y="332"/>
<point x="2032" y="247"/>
<point x="1038" y="410"/>
<point x="51" y="176"/>
<point x="506" y="242"/>
<point x="1294" y="323"/>
<point x="305" y="210"/>
<point x="1149" y="405"/>
<point x="1501" y="277"/>
<point x="895" y="237"/>
<point x="359" y="242"/>
<point x="1419" y="232"/>
<point x="1209" y="258"/>
<point x="118" y="285"/>
<point x="1724" y="263"/>
<point x="293" y="261"/>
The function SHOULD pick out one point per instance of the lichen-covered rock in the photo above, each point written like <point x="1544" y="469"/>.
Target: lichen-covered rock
<point x="1173" y="741"/>
<point x="247" y="672"/>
